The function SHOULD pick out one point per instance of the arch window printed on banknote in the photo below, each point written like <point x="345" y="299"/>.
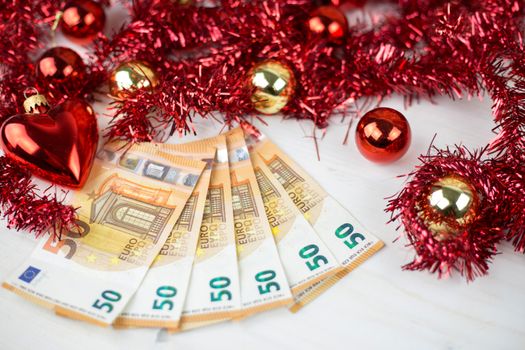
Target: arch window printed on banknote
<point x="126" y="211"/>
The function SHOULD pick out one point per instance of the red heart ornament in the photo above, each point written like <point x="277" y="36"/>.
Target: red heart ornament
<point x="58" y="145"/>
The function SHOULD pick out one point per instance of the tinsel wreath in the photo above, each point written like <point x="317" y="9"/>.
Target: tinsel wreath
<point x="204" y="51"/>
<point x="472" y="245"/>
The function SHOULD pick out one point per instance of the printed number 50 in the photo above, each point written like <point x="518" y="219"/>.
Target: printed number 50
<point x="220" y="283"/>
<point x="108" y="298"/>
<point x="165" y="293"/>
<point x="311" y="251"/>
<point x="266" y="276"/>
<point x="346" y="230"/>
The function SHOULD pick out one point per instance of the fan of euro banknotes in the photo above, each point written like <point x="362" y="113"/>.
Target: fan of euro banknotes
<point x="182" y="236"/>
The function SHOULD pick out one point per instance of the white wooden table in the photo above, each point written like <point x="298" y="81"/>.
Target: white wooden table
<point x="378" y="306"/>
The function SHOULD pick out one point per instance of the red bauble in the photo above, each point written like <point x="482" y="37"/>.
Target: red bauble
<point x="58" y="146"/>
<point x="328" y="22"/>
<point x="346" y="3"/>
<point x="82" y="19"/>
<point x="383" y="135"/>
<point x="60" y="65"/>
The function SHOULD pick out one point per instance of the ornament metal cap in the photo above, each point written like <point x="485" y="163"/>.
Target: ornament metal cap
<point x="35" y="103"/>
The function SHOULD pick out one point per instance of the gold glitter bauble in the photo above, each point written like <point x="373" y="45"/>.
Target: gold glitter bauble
<point x="452" y="203"/>
<point x="274" y="85"/>
<point x="131" y="76"/>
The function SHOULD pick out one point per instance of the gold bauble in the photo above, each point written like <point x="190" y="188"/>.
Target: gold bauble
<point x="452" y="203"/>
<point x="273" y="84"/>
<point x="131" y="76"/>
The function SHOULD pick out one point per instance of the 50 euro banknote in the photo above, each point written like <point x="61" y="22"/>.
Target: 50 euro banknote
<point x="214" y="291"/>
<point x="159" y="300"/>
<point x="305" y="257"/>
<point x="126" y="211"/>
<point x="346" y="238"/>
<point x="262" y="278"/>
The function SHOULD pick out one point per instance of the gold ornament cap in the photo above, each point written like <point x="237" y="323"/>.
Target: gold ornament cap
<point x="35" y="103"/>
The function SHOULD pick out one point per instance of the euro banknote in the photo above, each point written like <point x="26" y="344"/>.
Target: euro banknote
<point x="214" y="291"/>
<point x="262" y="278"/>
<point x="126" y="211"/>
<point x="305" y="257"/>
<point x="346" y="238"/>
<point x="159" y="300"/>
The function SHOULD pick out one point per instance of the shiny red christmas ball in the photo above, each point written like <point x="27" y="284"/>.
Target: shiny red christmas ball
<point x="58" y="145"/>
<point x="346" y="3"/>
<point x="383" y="135"/>
<point x="82" y="19"/>
<point x="60" y="65"/>
<point x="328" y="22"/>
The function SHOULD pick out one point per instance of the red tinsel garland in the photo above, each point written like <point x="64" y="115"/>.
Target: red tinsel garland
<point x="25" y="208"/>
<point x="472" y="247"/>
<point x="419" y="49"/>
